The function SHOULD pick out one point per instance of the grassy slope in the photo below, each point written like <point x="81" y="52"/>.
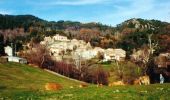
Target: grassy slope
<point x="13" y="75"/>
<point x="20" y="77"/>
<point x="22" y="82"/>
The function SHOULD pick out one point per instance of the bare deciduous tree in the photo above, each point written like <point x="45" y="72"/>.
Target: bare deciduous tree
<point x="38" y="55"/>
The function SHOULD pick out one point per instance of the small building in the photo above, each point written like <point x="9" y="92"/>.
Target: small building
<point x="58" y="37"/>
<point x="89" y="54"/>
<point x="8" y="50"/>
<point x="11" y="58"/>
<point x="114" y="54"/>
<point x="16" y="59"/>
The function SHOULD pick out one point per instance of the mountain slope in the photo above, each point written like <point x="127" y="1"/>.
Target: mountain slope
<point x="17" y="21"/>
<point x="135" y="32"/>
<point x="26" y="21"/>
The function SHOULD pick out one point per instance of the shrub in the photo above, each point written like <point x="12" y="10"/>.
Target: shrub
<point x="100" y="76"/>
<point x="52" y="86"/>
<point x="38" y="55"/>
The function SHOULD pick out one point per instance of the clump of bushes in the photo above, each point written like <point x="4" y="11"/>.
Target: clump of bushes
<point x="101" y="76"/>
<point x="96" y="75"/>
<point x="127" y="71"/>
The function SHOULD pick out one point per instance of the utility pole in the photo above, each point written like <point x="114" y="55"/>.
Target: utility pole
<point x="12" y="48"/>
<point x="15" y="50"/>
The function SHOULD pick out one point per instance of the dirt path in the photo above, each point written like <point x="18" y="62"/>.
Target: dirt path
<point x="63" y="76"/>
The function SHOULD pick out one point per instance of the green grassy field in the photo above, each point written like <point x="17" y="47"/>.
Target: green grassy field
<point x="22" y="82"/>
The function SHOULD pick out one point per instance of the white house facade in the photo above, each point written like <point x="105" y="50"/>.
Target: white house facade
<point x="16" y="59"/>
<point x="8" y="50"/>
<point x="114" y="54"/>
<point x="58" y="37"/>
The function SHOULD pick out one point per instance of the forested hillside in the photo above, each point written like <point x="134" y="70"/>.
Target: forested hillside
<point x="129" y="35"/>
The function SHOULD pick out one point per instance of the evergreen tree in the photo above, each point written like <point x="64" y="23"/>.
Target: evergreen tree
<point x="1" y="45"/>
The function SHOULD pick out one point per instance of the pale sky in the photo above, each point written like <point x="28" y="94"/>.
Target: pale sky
<point x="110" y="12"/>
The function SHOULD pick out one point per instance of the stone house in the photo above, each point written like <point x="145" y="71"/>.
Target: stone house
<point x="58" y="37"/>
<point x="114" y="54"/>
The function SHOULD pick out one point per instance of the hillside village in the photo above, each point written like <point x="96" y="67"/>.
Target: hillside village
<point x="60" y="46"/>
